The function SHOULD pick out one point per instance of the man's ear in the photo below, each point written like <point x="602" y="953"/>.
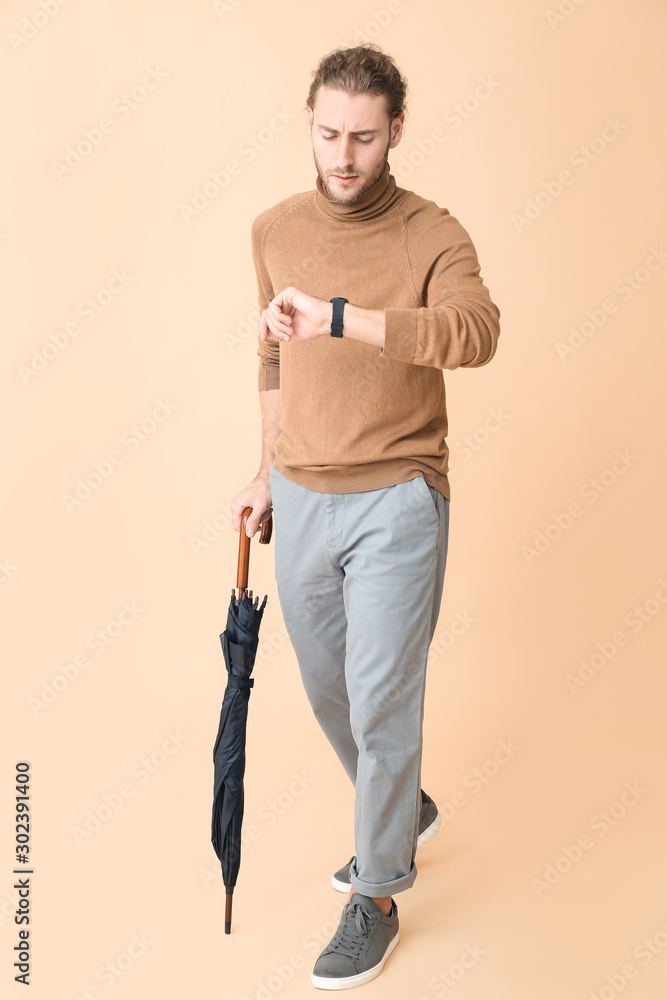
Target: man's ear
<point x="397" y="130"/>
<point x="309" y="120"/>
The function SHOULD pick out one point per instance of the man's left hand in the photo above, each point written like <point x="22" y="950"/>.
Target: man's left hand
<point x="293" y="315"/>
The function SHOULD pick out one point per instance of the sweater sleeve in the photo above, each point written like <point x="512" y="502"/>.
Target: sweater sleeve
<point x="456" y="324"/>
<point x="268" y="376"/>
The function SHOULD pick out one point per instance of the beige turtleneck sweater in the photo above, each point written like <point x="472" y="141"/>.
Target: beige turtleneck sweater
<point x="355" y="416"/>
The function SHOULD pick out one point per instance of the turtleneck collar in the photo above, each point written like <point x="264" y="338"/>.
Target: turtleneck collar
<point x="379" y="197"/>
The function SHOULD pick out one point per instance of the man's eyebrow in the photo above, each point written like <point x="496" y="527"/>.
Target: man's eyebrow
<point x="361" y="131"/>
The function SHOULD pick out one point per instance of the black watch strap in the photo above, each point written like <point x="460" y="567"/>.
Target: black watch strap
<point x="337" y="316"/>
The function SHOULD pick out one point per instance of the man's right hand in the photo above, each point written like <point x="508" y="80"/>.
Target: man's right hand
<point x="257" y="495"/>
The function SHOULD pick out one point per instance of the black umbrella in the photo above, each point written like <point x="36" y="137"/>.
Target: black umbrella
<point x="239" y="646"/>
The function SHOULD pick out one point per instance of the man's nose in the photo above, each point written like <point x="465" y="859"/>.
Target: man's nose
<point x="345" y="151"/>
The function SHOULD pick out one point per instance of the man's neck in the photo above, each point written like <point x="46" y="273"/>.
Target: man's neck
<point x="374" y="201"/>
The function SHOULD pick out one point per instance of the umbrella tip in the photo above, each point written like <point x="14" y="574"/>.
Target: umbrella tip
<point x="229" y="889"/>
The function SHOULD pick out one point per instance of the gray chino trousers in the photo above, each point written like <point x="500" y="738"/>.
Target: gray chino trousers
<point x="360" y="579"/>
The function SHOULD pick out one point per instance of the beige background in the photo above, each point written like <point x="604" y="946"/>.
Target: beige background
<point x="157" y="531"/>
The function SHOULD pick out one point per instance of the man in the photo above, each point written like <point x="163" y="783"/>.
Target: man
<point x="354" y="464"/>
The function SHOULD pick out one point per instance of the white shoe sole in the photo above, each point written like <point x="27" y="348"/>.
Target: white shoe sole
<point x="324" y="983"/>
<point x="341" y="886"/>
<point x="429" y="832"/>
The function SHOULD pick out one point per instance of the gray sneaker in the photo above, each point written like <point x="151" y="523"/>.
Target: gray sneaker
<point x="430" y="822"/>
<point x="361" y="945"/>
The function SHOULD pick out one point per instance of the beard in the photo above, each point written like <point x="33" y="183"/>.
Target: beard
<point x="341" y="195"/>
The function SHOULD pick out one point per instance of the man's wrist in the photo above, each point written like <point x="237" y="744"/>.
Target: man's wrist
<point x="367" y="325"/>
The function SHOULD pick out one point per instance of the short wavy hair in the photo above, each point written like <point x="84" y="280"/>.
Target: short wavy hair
<point x="364" y="69"/>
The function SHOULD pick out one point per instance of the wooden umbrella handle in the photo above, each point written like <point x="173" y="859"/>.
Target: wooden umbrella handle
<point x="228" y="908"/>
<point x="244" y="546"/>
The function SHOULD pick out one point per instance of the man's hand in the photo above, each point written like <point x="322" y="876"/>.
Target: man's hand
<point x="293" y="315"/>
<point x="257" y="495"/>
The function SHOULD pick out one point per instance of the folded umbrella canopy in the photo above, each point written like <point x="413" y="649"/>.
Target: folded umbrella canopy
<point x="239" y="646"/>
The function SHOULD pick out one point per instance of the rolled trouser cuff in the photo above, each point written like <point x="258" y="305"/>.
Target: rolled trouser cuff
<point x="379" y="889"/>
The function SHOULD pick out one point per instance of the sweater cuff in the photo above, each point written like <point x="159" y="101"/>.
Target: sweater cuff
<point x="268" y="377"/>
<point x="400" y="334"/>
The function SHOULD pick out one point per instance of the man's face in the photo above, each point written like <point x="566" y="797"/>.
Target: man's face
<point x="351" y="138"/>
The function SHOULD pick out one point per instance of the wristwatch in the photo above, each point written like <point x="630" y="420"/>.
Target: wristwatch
<point x="337" y="316"/>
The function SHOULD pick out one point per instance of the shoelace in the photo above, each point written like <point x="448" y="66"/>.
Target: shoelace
<point x="355" y="917"/>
